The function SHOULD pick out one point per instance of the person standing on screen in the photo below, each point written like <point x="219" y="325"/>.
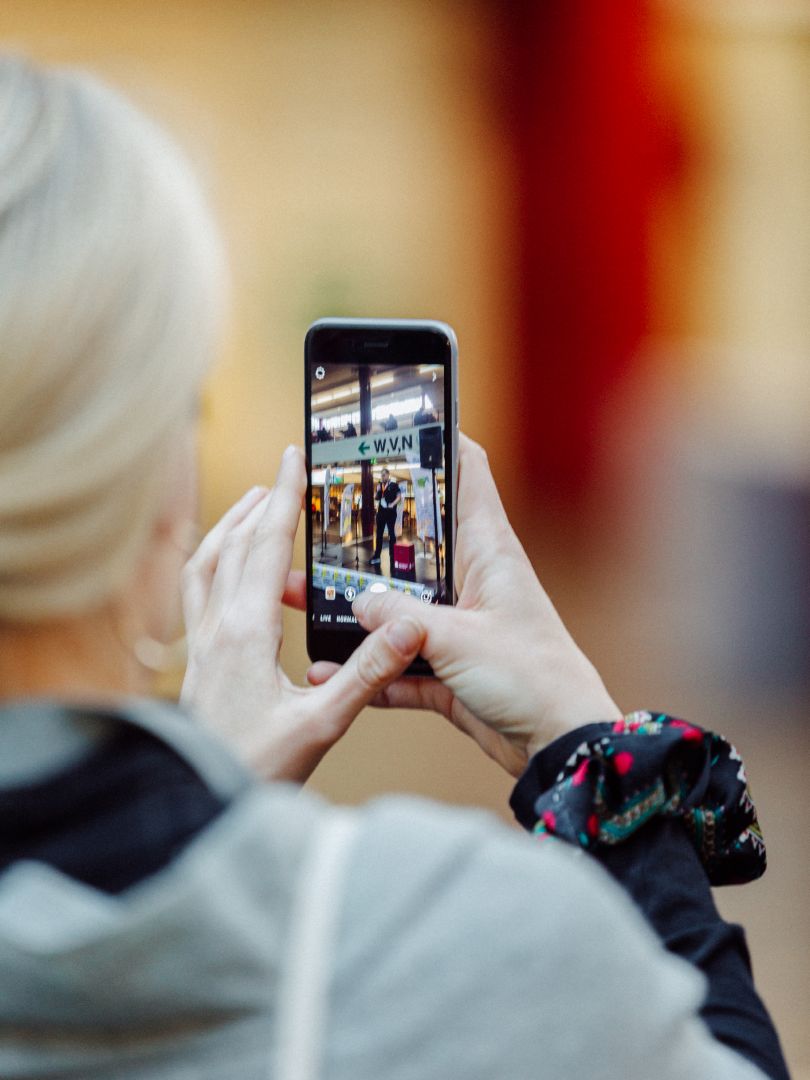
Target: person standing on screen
<point x="388" y="496"/>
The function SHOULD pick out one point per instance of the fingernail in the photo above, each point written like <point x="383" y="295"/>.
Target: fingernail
<point x="291" y="451"/>
<point x="405" y="635"/>
<point x="254" y="491"/>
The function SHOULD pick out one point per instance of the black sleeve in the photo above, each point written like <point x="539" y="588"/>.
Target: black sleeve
<point x="574" y="790"/>
<point x="661" y="870"/>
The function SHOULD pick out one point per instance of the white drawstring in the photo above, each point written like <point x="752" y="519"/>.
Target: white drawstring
<point x="302" y="1003"/>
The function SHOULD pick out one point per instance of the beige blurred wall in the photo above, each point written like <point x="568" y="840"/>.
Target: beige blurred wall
<point x="355" y="164"/>
<point x="731" y="241"/>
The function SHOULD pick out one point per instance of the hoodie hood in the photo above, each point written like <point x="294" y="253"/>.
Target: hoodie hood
<point x="195" y="947"/>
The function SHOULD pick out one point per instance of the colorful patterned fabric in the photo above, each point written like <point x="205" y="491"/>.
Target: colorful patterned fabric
<point x="601" y="783"/>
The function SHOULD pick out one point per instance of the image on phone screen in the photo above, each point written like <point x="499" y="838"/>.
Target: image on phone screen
<point x="379" y="495"/>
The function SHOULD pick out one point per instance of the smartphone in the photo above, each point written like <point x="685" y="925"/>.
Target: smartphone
<point x="381" y="437"/>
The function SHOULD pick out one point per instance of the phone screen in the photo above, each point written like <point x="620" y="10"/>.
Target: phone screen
<point x="381" y="416"/>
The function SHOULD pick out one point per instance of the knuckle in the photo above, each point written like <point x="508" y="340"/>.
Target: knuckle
<point x="197" y="560"/>
<point x="382" y="699"/>
<point x="266" y="533"/>
<point x="234" y="543"/>
<point x="271" y="532"/>
<point x="504" y="533"/>
<point x="279" y="521"/>
<point x="483" y="456"/>
<point x="234" y="630"/>
<point x="373" y="666"/>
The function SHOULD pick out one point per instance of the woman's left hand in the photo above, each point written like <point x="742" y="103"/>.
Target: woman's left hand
<point x="233" y="590"/>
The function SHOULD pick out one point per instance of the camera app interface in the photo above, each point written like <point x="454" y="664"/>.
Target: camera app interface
<point x="378" y="485"/>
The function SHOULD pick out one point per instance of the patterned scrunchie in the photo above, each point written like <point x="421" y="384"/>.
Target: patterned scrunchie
<point x="599" y="784"/>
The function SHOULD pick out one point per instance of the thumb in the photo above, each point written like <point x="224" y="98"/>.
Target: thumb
<point x="380" y="659"/>
<point x="373" y="610"/>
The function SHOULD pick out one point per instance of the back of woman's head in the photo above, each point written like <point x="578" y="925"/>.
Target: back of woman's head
<point x="110" y="302"/>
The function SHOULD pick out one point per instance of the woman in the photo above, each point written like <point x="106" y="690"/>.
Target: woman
<point x="165" y="912"/>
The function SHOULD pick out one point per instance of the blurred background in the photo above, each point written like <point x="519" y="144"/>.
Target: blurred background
<point x="610" y="202"/>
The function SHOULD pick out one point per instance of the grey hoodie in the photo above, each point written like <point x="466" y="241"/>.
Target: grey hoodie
<point x="417" y="943"/>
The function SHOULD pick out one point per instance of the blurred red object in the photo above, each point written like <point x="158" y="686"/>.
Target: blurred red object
<point x="591" y="147"/>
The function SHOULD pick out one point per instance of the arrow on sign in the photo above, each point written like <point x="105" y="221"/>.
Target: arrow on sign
<point x="364" y="447"/>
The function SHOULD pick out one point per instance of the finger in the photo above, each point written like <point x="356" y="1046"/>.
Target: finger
<point x="233" y="555"/>
<point x="206" y="554"/>
<point x="271" y="548"/>
<point x="474" y="471"/>
<point x="199" y="570"/>
<point x="295" y="591"/>
<point x="421" y="692"/>
<point x="414" y="692"/>
<point x="478" y="498"/>
<point x="321" y="672"/>
<point x="482" y="521"/>
<point x="380" y="659"/>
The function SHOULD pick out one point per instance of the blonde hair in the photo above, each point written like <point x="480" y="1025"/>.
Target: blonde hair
<point x="111" y="296"/>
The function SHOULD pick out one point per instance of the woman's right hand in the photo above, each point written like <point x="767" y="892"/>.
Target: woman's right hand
<point x="507" y="672"/>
